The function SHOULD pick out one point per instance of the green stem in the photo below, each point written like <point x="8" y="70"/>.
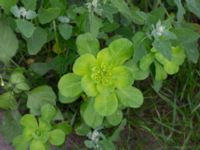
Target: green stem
<point x="56" y="35"/>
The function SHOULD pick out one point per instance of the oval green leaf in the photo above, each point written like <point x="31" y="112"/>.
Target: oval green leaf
<point x="70" y="85"/>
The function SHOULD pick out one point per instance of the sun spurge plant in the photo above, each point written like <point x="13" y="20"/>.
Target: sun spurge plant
<point x="102" y="76"/>
<point x="163" y="65"/>
<point x="39" y="134"/>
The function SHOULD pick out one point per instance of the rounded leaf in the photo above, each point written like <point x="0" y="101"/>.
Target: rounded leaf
<point x="106" y="103"/>
<point x="171" y="67"/>
<point x="48" y="112"/>
<point x="65" y="30"/>
<point x="89" y="86"/>
<point x="20" y="143"/>
<point x="130" y="97"/>
<point x="39" y="96"/>
<point x="66" y="100"/>
<point x="25" y="27"/>
<point x="160" y="58"/>
<point x="44" y="125"/>
<point x="37" y="145"/>
<point x="17" y="78"/>
<point x="121" y="50"/>
<point x="83" y="64"/>
<point x="70" y="85"/>
<point x="160" y="73"/>
<point x="64" y="126"/>
<point x="89" y="115"/>
<point x="29" y="121"/>
<point x="122" y="77"/>
<point x="8" y="42"/>
<point x="87" y="43"/>
<point x="115" y="118"/>
<point x="7" y="101"/>
<point x="104" y="56"/>
<point x="57" y="137"/>
<point x="178" y="55"/>
<point x="146" y="61"/>
<point x="47" y="15"/>
<point x="36" y="41"/>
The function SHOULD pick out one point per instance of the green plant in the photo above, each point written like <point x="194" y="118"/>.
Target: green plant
<point x="163" y="66"/>
<point x="94" y="60"/>
<point x="39" y="133"/>
<point x="103" y="78"/>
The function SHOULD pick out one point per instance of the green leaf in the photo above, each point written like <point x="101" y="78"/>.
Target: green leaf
<point x="65" y="30"/>
<point x="29" y="121"/>
<point x="108" y="12"/>
<point x="70" y="85"/>
<point x="94" y="24"/>
<point x="106" y="103"/>
<point x="8" y="42"/>
<point x="188" y="39"/>
<point x="187" y="35"/>
<point x="171" y="67"/>
<point x="7" y="101"/>
<point x="10" y="121"/>
<point x="155" y="15"/>
<point x="107" y="144"/>
<point x="178" y="55"/>
<point x="164" y="47"/>
<point x="61" y="62"/>
<point x="40" y="68"/>
<point x="89" y="86"/>
<point x="122" y="76"/>
<point x="38" y="97"/>
<point x="7" y="4"/>
<point x="121" y="50"/>
<point x="48" y="15"/>
<point x="83" y="64"/>
<point x="19" y="81"/>
<point x="89" y="144"/>
<point x="29" y="4"/>
<point x="82" y="129"/>
<point x="36" y="41"/>
<point x="57" y="137"/>
<point x="116" y="135"/>
<point x="48" y="112"/>
<point x="44" y="126"/>
<point x="139" y="46"/>
<point x="62" y="4"/>
<point x="137" y="73"/>
<point x="20" y="143"/>
<point x="36" y="144"/>
<point x="67" y="100"/>
<point x="104" y="56"/>
<point x="193" y="6"/>
<point x="160" y="73"/>
<point x="123" y="8"/>
<point x="181" y="10"/>
<point x="25" y="27"/>
<point x="115" y="118"/>
<point x="64" y="126"/>
<point x="138" y="17"/>
<point x="146" y="61"/>
<point x="160" y="58"/>
<point x="87" y="43"/>
<point x="89" y="115"/>
<point x="192" y="51"/>
<point x="130" y="97"/>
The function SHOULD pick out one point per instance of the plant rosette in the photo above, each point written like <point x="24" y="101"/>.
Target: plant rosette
<point x="103" y="77"/>
<point x="38" y="134"/>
